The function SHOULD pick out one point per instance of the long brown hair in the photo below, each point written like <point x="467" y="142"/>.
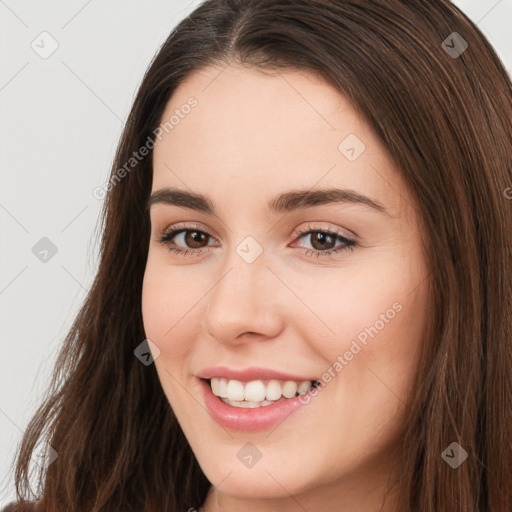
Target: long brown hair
<point x="444" y="113"/>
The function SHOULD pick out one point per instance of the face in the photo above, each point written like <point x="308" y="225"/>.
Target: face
<point x="271" y="290"/>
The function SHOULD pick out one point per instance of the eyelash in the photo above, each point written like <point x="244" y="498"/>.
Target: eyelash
<point x="166" y="236"/>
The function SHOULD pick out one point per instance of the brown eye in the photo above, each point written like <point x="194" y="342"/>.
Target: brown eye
<point x="320" y="239"/>
<point x="183" y="239"/>
<point x="194" y="239"/>
<point x="190" y="240"/>
<point x="323" y="242"/>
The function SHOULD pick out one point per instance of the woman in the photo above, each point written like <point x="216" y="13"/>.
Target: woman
<point x="254" y="372"/>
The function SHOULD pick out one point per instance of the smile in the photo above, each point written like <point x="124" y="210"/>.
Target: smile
<point x="252" y="399"/>
<point x="257" y="393"/>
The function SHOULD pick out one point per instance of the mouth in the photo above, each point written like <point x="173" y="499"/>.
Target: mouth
<point x="257" y="393"/>
<point x="254" y="405"/>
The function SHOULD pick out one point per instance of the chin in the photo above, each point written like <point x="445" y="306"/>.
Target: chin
<point x="253" y="483"/>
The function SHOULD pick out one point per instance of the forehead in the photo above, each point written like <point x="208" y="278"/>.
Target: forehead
<point x="251" y="135"/>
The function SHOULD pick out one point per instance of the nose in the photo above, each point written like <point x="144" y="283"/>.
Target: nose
<point x="245" y="303"/>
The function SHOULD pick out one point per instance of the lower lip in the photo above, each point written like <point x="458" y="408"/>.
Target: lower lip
<point x="238" y="418"/>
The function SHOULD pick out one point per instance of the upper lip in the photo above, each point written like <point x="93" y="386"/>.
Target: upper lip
<point x="248" y="374"/>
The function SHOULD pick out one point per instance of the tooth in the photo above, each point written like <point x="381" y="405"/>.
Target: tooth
<point x="242" y="404"/>
<point x="289" y="389"/>
<point x="255" y="391"/>
<point x="215" y="385"/>
<point x="303" y="386"/>
<point x="223" y="388"/>
<point x="250" y="405"/>
<point x="235" y="390"/>
<point x="273" y="390"/>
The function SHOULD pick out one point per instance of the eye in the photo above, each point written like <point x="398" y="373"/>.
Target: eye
<point x="324" y="238"/>
<point x="191" y="235"/>
<point x="194" y="238"/>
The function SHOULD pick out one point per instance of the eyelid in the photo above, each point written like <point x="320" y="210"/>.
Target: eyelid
<point x="184" y="226"/>
<point x="339" y="231"/>
<point x="297" y="233"/>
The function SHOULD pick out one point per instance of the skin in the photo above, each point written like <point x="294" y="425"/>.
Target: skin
<point x="252" y="136"/>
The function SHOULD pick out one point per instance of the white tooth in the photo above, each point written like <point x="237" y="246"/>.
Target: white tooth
<point x="255" y="391"/>
<point x="273" y="390"/>
<point x="243" y="404"/>
<point x="223" y="388"/>
<point x="250" y="405"/>
<point x="214" y="382"/>
<point x="235" y="390"/>
<point x="303" y="386"/>
<point x="289" y="389"/>
<point x="247" y="405"/>
<point x="266" y="402"/>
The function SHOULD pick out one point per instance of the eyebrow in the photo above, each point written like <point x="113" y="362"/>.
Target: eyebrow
<point x="283" y="203"/>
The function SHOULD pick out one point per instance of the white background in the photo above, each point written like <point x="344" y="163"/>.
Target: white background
<point x="60" y="121"/>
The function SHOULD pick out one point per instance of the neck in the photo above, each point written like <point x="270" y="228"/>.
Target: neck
<point x="342" y="497"/>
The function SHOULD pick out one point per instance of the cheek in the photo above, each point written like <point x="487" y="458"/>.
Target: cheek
<point x="378" y="313"/>
<point x="169" y="319"/>
<point x="372" y="361"/>
<point x="169" y="310"/>
<point x="370" y="302"/>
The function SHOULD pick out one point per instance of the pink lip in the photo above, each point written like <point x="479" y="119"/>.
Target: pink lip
<point x="248" y="374"/>
<point x="237" y="418"/>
